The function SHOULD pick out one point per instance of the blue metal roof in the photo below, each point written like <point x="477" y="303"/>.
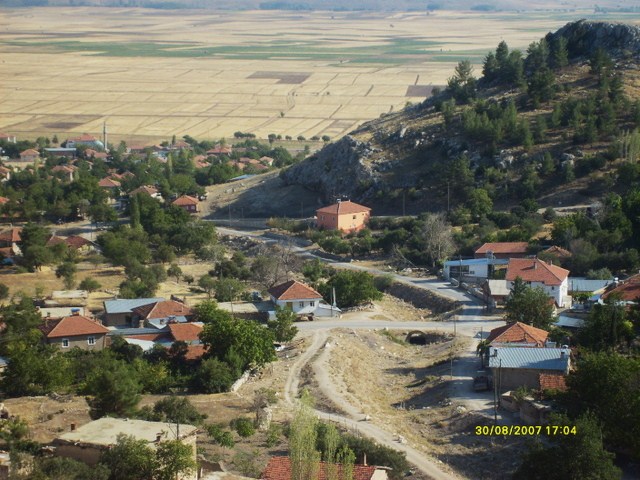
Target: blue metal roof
<point x="478" y="261"/>
<point x="125" y="305"/>
<point x="531" y="358"/>
<point x="578" y="284"/>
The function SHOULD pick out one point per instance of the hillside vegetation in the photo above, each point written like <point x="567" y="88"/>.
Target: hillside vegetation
<point x="554" y="126"/>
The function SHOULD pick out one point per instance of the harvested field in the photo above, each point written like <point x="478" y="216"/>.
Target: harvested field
<point x="151" y="75"/>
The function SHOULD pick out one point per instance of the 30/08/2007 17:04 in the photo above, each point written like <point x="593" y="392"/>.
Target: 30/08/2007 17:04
<point x="525" y="430"/>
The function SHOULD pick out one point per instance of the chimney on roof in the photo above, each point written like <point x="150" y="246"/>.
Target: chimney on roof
<point x="364" y="459"/>
<point x="75" y="312"/>
<point x="561" y="353"/>
<point x="72" y="427"/>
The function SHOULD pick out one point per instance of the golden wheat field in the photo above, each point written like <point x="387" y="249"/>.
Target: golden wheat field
<point x="151" y="74"/>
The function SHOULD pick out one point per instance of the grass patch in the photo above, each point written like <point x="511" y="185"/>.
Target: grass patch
<point x="392" y="337"/>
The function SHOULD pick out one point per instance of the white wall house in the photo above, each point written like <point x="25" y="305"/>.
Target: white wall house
<point x="536" y="273"/>
<point x="476" y="268"/>
<point x="302" y="299"/>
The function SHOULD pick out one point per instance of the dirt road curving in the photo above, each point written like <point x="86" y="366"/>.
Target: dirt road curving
<point x="353" y="418"/>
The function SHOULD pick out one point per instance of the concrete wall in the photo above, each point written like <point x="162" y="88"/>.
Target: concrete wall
<point x="117" y="319"/>
<point x="80" y="341"/>
<point x="512" y="378"/>
<point x="421" y="298"/>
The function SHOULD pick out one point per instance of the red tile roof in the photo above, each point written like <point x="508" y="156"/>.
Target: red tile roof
<point x="163" y="309"/>
<point x="54" y="240"/>
<point x="12" y="235"/>
<point x="518" y="333"/>
<point x="195" y="351"/>
<point x="293" y="290"/>
<point x="628" y="290"/>
<point x="345" y="207"/>
<point x="29" y="151"/>
<point x="185" y="200"/>
<point x="550" y="381"/>
<point x="72" y="326"/>
<point x="185" y="332"/>
<point x="63" y="168"/>
<point x="218" y="149"/>
<point x="535" y="270"/>
<point x="503" y="248"/>
<point x="557" y="252"/>
<point x="279" y="468"/>
<point x="148" y="189"/>
<point x="76" y="241"/>
<point x="108" y="183"/>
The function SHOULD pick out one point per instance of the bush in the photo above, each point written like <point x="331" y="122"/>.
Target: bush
<point x="244" y="426"/>
<point x="89" y="284"/>
<point x="213" y="376"/>
<point x="220" y="436"/>
<point x="383" y="282"/>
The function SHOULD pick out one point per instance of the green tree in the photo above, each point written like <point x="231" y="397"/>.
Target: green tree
<point x="208" y="284"/>
<point x="462" y="86"/>
<point x="606" y="327"/>
<point x="129" y="458"/>
<point x="479" y="203"/>
<point x="61" y="468"/>
<point x="352" y="288"/>
<point x="283" y="328"/>
<point x="606" y="384"/>
<point x="174" y="271"/>
<point x="173" y="459"/>
<point x="90" y="284"/>
<point x="228" y="289"/>
<point x="177" y="410"/>
<point x="560" y="52"/>
<point x="67" y="271"/>
<point x="35" y="370"/>
<point x="220" y="436"/>
<point x="114" y="388"/>
<point x="571" y="457"/>
<point x="213" y="376"/>
<point x="528" y="305"/>
<point x="243" y="426"/>
<point x="305" y="458"/>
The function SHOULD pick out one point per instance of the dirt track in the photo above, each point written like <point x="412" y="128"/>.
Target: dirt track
<point x="353" y="418"/>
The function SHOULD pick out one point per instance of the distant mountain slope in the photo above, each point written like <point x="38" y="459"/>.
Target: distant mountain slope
<point x="549" y="126"/>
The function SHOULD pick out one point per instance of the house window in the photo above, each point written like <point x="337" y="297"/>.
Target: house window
<point x="65" y="343"/>
<point x="312" y="304"/>
<point x="91" y="340"/>
<point x="301" y="304"/>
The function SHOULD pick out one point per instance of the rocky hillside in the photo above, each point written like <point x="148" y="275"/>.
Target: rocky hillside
<point x="554" y="132"/>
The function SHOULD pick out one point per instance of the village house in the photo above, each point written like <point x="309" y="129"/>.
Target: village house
<point x="536" y="273"/>
<point x="220" y="150"/>
<point x="502" y="250"/>
<point x="91" y="153"/>
<point x="187" y="203"/>
<point x="5" y="137"/>
<point x="5" y="173"/>
<point x="29" y="155"/>
<point x="119" y="313"/>
<point x="160" y="313"/>
<point x="66" y="172"/>
<point x="63" y="152"/>
<point x="87" y="443"/>
<point x="279" y="468"/>
<point x="74" y="331"/>
<point x="495" y="292"/>
<point x="301" y="299"/>
<point x="518" y="333"/>
<point x="626" y="291"/>
<point x="10" y="240"/>
<point x="109" y="184"/>
<point x="514" y="367"/>
<point x="74" y="242"/>
<point x="471" y="270"/>
<point x="345" y="216"/>
<point x="147" y="190"/>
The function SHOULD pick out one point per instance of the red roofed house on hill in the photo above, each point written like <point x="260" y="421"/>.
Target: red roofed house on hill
<point x="279" y="468"/>
<point x="345" y="216"/>
<point x="187" y="203"/>
<point x="29" y="155"/>
<point x="503" y="250"/>
<point x="302" y="299"/>
<point x="74" y="331"/>
<point x="536" y="273"/>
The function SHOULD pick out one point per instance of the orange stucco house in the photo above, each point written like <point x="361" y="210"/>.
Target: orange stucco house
<point x="345" y="216"/>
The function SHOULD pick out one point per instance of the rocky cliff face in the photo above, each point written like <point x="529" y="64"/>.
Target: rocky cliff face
<point x="584" y="37"/>
<point x="339" y="169"/>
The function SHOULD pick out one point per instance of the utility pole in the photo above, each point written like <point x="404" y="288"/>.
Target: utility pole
<point x="447" y="196"/>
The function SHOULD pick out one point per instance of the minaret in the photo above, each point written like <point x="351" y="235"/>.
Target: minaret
<point x="104" y="136"/>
